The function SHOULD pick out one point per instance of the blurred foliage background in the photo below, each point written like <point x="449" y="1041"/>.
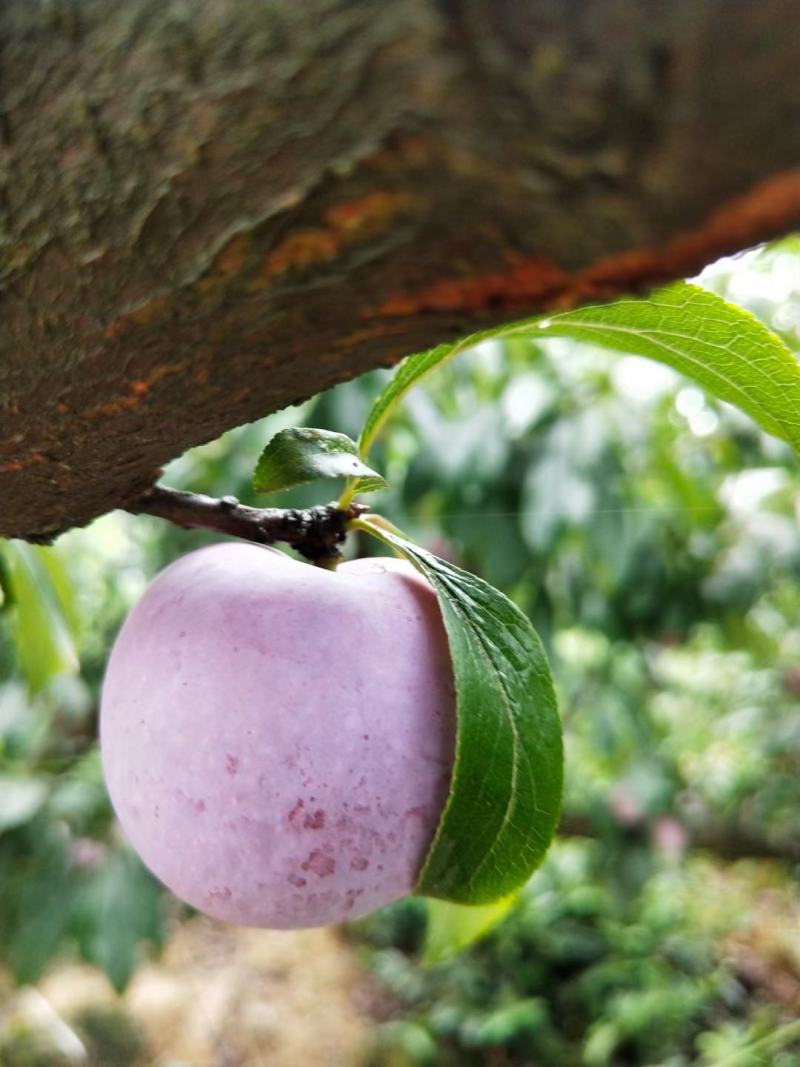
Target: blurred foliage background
<point x="652" y="536"/>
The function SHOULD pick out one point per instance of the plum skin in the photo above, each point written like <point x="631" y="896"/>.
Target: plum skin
<point x="278" y="739"/>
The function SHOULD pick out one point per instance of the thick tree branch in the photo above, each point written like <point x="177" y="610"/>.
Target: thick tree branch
<point x="210" y="210"/>
<point x="316" y="533"/>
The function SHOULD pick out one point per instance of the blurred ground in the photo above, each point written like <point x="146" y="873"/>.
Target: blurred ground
<point x="219" y="997"/>
<point x="226" y="997"/>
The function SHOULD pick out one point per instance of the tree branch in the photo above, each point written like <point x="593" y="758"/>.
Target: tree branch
<point x="315" y="533"/>
<point x="209" y="211"/>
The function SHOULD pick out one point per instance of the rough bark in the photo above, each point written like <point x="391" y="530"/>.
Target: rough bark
<point x="211" y="209"/>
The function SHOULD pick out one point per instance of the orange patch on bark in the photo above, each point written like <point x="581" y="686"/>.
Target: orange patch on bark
<point x="228" y="262"/>
<point x="21" y="464"/>
<point x="526" y="280"/>
<point x="347" y="223"/>
<point x="304" y="248"/>
<point x="343" y="224"/>
<point x="15" y="465"/>
<point x="113" y="407"/>
<point x="770" y="209"/>
<point x="137" y="391"/>
<point x="371" y="212"/>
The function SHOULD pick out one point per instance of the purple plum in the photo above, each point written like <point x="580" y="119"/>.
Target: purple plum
<point x="277" y="738"/>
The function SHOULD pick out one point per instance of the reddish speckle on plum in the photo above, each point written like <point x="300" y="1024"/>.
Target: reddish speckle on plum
<point x="341" y="684"/>
<point x="295" y="817"/>
<point x="418" y="812"/>
<point x="320" y="864"/>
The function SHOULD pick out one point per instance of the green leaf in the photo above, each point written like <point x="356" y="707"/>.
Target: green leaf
<point x="118" y="907"/>
<point x="6" y="588"/>
<point x="369" y="484"/>
<point x="453" y="927"/>
<point x="510" y="1022"/>
<point x="722" y="347"/>
<point x="719" y="345"/>
<point x="299" y="455"/>
<point x="505" y="793"/>
<point x="41" y="635"/>
<point x="42" y="896"/>
<point x="61" y="584"/>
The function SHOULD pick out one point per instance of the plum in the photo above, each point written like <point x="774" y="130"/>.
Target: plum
<point x="278" y="739"/>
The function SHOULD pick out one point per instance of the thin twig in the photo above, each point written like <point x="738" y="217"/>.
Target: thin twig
<point x="315" y="532"/>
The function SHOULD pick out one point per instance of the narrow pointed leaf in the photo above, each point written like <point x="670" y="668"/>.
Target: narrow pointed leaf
<point x="505" y="793"/>
<point x="720" y="346"/>
<point x="6" y="585"/>
<point x="299" y="455"/>
<point x="44" y="645"/>
<point x="62" y="586"/>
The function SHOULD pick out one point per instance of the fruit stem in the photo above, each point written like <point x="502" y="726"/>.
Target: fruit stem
<point x="316" y="533"/>
<point x="349" y="491"/>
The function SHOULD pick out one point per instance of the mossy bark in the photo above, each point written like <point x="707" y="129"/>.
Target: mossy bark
<point x="209" y="210"/>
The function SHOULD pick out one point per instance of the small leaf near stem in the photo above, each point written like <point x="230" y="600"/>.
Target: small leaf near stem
<point x="301" y="454"/>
